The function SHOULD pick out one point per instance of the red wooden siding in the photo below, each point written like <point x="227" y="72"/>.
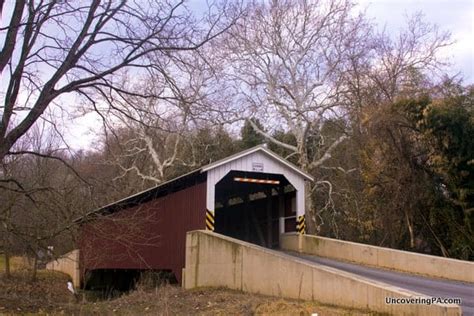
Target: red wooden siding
<point x="148" y="236"/>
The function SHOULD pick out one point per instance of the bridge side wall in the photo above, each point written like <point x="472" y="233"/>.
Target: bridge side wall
<point x="387" y="258"/>
<point x="214" y="260"/>
<point x="68" y="264"/>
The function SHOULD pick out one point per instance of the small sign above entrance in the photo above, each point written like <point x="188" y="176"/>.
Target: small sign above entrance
<point x="257" y="166"/>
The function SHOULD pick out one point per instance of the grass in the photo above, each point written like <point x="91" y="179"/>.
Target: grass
<point x="173" y="300"/>
<point x="16" y="263"/>
<point x="49" y="296"/>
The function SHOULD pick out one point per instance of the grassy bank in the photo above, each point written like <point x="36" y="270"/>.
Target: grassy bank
<point x="49" y="295"/>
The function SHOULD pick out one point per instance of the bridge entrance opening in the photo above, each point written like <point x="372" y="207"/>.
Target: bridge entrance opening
<point x="255" y="207"/>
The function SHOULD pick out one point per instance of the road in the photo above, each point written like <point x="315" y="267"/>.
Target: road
<point x="424" y="285"/>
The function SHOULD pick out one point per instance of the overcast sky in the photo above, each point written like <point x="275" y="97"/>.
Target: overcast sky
<point x="456" y="16"/>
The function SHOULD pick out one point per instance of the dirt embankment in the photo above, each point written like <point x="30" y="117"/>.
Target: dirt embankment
<point x="49" y="295"/>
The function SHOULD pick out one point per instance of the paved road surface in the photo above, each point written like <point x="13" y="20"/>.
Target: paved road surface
<point x="424" y="285"/>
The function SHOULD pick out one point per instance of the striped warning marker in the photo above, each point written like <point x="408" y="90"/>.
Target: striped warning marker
<point x="301" y="225"/>
<point x="210" y="220"/>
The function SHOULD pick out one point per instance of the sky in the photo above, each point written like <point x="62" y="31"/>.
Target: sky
<point x="455" y="16"/>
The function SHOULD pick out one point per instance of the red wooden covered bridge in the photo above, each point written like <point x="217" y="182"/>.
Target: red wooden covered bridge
<point x="254" y="195"/>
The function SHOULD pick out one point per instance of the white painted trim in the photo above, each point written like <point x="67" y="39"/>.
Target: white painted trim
<point x="252" y="150"/>
<point x="245" y="163"/>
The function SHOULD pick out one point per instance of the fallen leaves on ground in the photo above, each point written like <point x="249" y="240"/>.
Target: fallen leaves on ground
<point x="49" y="295"/>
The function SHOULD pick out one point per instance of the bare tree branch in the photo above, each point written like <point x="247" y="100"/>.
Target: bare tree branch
<point x="271" y="138"/>
<point x="64" y="162"/>
<point x="65" y="47"/>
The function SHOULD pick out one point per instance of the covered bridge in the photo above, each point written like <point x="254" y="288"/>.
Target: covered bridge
<point x="254" y="195"/>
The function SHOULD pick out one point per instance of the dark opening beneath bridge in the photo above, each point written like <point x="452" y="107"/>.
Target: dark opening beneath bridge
<point x="108" y="283"/>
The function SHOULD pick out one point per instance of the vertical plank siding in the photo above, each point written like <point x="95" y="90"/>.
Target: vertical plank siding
<point x="148" y="236"/>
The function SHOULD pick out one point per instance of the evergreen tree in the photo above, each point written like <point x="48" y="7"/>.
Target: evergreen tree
<point x="249" y="137"/>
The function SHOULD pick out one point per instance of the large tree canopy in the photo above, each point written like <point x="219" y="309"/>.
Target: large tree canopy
<point x="52" y="48"/>
<point x="362" y="110"/>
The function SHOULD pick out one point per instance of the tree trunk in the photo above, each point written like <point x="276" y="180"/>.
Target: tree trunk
<point x="410" y="230"/>
<point x="310" y="218"/>
<point x="7" y="264"/>
<point x="35" y="268"/>
<point x="309" y="210"/>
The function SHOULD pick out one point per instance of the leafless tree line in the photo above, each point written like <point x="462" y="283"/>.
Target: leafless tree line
<point x="160" y="77"/>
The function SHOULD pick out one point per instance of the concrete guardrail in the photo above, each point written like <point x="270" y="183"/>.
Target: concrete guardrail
<point x="68" y="264"/>
<point x="219" y="261"/>
<point x="381" y="257"/>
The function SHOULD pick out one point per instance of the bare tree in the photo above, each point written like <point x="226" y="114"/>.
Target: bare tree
<point x="53" y="48"/>
<point x="285" y="59"/>
<point x="151" y="133"/>
<point x="407" y="64"/>
<point x="297" y="65"/>
<point x="39" y="194"/>
<point x="404" y="64"/>
<point x="146" y="151"/>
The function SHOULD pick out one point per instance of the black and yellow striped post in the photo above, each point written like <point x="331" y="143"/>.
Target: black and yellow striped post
<point x="210" y="220"/>
<point x="301" y="225"/>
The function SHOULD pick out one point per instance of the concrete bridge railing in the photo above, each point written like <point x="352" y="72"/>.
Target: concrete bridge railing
<point x="219" y="261"/>
<point x="68" y="264"/>
<point x="381" y="257"/>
